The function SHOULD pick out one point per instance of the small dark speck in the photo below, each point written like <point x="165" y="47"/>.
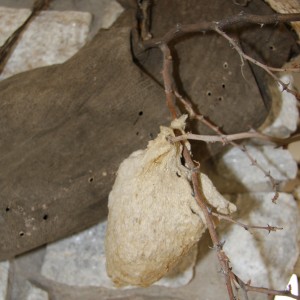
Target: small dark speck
<point x="91" y="179"/>
<point x="193" y="212"/>
<point x="151" y="136"/>
<point x="178" y="175"/>
<point x="137" y="133"/>
<point x="141" y="113"/>
<point x="21" y="233"/>
<point x="45" y="217"/>
<point x="7" y="209"/>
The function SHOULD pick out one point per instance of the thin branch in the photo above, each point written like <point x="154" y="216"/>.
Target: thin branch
<point x="188" y="106"/>
<point x="204" y="26"/>
<point x="285" y="86"/>
<point x="245" y="226"/>
<point x="272" y="292"/>
<point x="169" y="85"/>
<point x="226" y="138"/>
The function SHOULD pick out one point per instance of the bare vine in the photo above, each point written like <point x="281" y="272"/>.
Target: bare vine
<point x="233" y="282"/>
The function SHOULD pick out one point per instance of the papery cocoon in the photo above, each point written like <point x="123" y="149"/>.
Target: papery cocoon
<point x="153" y="218"/>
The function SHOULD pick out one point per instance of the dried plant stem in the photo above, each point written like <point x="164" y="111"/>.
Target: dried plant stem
<point x="204" y="26"/>
<point x="231" y="279"/>
<point x="225" y="139"/>
<point x="209" y="124"/>
<point x="169" y="85"/>
<point x="268" y="69"/>
<point x="245" y="226"/>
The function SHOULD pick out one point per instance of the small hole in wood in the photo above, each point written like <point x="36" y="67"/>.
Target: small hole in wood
<point x="208" y="93"/>
<point x="178" y="174"/>
<point x="220" y="98"/>
<point x="271" y="47"/>
<point x="223" y="85"/>
<point x="137" y="133"/>
<point x="7" y="209"/>
<point x="225" y="65"/>
<point x="21" y="233"/>
<point x="141" y="113"/>
<point x="45" y="217"/>
<point x="91" y="179"/>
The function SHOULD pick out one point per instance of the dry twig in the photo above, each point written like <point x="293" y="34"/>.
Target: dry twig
<point x="268" y="69"/>
<point x="171" y="91"/>
<point x="226" y="138"/>
<point x="245" y="226"/>
<point x="205" y="26"/>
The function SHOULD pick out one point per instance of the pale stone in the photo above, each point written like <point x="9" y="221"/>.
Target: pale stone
<point x="236" y="169"/>
<point x="10" y="20"/>
<point x="111" y="12"/>
<point x="51" y="38"/>
<point x="267" y="259"/>
<point x="35" y="293"/>
<point x="4" y="269"/>
<point x="80" y="261"/>
<point x="283" y="117"/>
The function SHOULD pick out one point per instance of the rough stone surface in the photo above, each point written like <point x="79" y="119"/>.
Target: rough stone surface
<point x="10" y="20"/>
<point x="265" y="259"/>
<point x="283" y="117"/>
<point x="35" y="293"/>
<point x="80" y="261"/>
<point x="52" y="37"/>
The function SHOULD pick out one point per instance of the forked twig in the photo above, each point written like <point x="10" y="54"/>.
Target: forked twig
<point x="188" y="106"/>
<point x="268" y="69"/>
<point x="204" y="26"/>
<point x="231" y="279"/>
<point x="226" y="138"/>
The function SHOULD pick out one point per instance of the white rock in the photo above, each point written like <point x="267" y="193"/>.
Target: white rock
<point x="284" y="115"/>
<point x="4" y="269"/>
<point x="35" y="293"/>
<point x="80" y="261"/>
<point x="51" y="38"/>
<point x="265" y="259"/>
<point x="235" y="167"/>
<point x="10" y="20"/>
<point x="111" y="12"/>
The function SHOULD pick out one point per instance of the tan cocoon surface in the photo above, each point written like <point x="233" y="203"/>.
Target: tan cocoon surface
<point x="153" y="218"/>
